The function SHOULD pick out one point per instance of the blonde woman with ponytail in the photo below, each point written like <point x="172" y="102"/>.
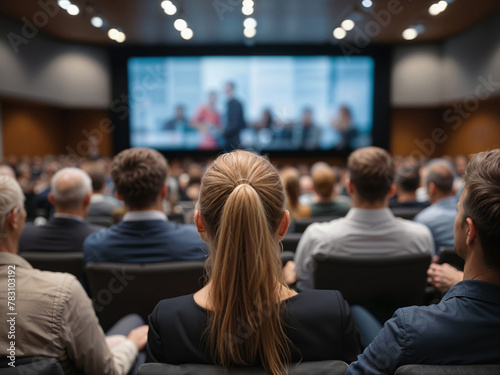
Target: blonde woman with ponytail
<point x="246" y="315"/>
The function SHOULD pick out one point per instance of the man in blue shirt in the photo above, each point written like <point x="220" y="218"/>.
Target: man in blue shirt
<point x="144" y="235"/>
<point x="464" y="328"/>
<point x="440" y="216"/>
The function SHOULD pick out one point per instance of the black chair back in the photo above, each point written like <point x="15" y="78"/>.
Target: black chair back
<point x="448" y="255"/>
<point x="118" y="289"/>
<point x="103" y="221"/>
<point x="290" y="241"/>
<point x="407" y="213"/>
<point x="56" y="261"/>
<point x="302" y="224"/>
<point x="448" y="370"/>
<point x="35" y="366"/>
<point x="303" y="368"/>
<point x="381" y="284"/>
<point x="177" y="218"/>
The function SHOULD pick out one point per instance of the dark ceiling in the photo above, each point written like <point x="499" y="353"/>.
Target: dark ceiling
<point x="220" y="21"/>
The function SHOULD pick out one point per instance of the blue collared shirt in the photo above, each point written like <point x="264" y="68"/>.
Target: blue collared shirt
<point x="464" y="328"/>
<point x="440" y="219"/>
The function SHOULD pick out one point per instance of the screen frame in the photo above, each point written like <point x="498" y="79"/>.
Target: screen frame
<point x="119" y="109"/>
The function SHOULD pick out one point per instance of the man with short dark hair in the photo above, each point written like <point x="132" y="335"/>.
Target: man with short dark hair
<point x="145" y="235"/>
<point x="463" y="328"/>
<point x="369" y="228"/>
<point x="407" y="182"/>
<point x="440" y="216"/>
<point x="324" y="183"/>
<point x="235" y="121"/>
<point x="66" y="230"/>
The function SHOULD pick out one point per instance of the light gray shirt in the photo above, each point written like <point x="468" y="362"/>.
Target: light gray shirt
<point x="360" y="233"/>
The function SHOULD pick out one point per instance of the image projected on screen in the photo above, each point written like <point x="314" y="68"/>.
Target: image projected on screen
<point x="253" y="102"/>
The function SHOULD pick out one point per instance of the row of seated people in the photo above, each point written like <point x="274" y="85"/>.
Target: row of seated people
<point x="241" y="216"/>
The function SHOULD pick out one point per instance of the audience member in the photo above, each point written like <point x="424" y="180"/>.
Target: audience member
<point x="407" y="181"/>
<point x="42" y="189"/>
<point x="290" y="180"/>
<point x="242" y="216"/>
<point x="6" y="169"/>
<point x="55" y="316"/>
<point x="440" y="216"/>
<point x="100" y="204"/>
<point x="369" y="228"/>
<point x="235" y="120"/>
<point x="66" y="230"/>
<point x="144" y="235"/>
<point x="324" y="184"/>
<point x="310" y="132"/>
<point x="469" y="313"/>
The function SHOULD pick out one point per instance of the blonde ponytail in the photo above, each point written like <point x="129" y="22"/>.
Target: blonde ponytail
<point x="242" y="202"/>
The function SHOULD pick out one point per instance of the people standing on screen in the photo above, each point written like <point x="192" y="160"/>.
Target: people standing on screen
<point x="343" y="123"/>
<point x="207" y="120"/>
<point x="234" y="119"/>
<point x="310" y="132"/>
<point x="179" y="122"/>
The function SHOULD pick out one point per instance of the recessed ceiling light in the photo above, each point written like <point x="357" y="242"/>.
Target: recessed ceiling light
<point x="339" y="33"/>
<point x="250" y="23"/>
<point x="73" y="10"/>
<point x="97" y="21"/>
<point x="180" y="24"/>
<point x="347" y="24"/>
<point x="121" y="37"/>
<point x="113" y="33"/>
<point x="410" y="33"/>
<point x="442" y="5"/>
<point x="187" y="33"/>
<point x="249" y="32"/>
<point x="247" y="10"/>
<point x="64" y="4"/>
<point x="367" y="3"/>
<point x="170" y="9"/>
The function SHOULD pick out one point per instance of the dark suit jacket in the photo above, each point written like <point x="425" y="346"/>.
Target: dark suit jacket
<point x="146" y="241"/>
<point x="234" y="123"/>
<point x="58" y="234"/>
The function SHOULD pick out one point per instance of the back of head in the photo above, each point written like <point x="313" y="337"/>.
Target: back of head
<point x="242" y="204"/>
<point x="290" y="179"/>
<point x="407" y="178"/>
<point x="97" y="174"/>
<point x="324" y="181"/>
<point x="11" y="197"/>
<point x="371" y="170"/>
<point x="139" y="175"/>
<point x="481" y="203"/>
<point x="441" y="174"/>
<point x="69" y="186"/>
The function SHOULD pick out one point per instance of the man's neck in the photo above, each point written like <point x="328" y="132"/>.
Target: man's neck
<point x="77" y="213"/>
<point x="10" y="246"/>
<point x="438" y="197"/>
<point x="404" y="196"/>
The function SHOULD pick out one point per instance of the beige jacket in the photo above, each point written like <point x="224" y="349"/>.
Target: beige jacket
<point x="55" y="318"/>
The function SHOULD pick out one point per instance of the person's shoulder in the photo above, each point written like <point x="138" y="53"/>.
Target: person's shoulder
<point x="414" y="227"/>
<point x="99" y="234"/>
<point x="50" y="282"/>
<point x="325" y="229"/>
<point x="174" y="306"/>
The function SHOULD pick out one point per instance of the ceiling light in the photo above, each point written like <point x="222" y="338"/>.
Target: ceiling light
<point x="180" y="24"/>
<point x="247" y="11"/>
<point x="165" y="3"/>
<point x="250" y="23"/>
<point x="249" y="32"/>
<point x="348" y="24"/>
<point x="339" y="33"/>
<point x="73" y="10"/>
<point x="247" y="3"/>
<point x="113" y="33"/>
<point x="121" y="37"/>
<point x="434" y="10"/>
<point x="64" y="4"/>
<point x="367" y="3"/>
<point x="187" y="33"/>
<point x="170" y="9"/>
<point x="442" y="5"/>
<point x="410" y="33"/>
<point x="97" y="21"/>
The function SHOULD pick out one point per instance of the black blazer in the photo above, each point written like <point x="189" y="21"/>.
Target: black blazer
<point x="318" y="322"/>
<point x="58" y="234"/>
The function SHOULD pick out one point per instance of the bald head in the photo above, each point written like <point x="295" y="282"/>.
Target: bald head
<point x="70" y="188"/>
<point x="440" y="176"/>
<point x="7" y="170"/>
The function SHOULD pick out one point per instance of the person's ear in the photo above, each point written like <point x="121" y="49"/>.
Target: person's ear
<point x="285" y="222"/>
<point x="164" y="190"/>
<point x="13" y="219"/>
<point x="200" y="225"/>
<point x="51" y="199"/>
<point x="86" y="200"/>
<point x="392" y="191"/>
<point x="471" y="231"/>
<point x="118" y="196"/>
<point x="431" y="188"/>
<point x="351" y="189"/>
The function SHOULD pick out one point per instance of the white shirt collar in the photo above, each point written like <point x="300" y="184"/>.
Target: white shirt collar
<point x="68" y="216"/>
<point x="144" y="215"/>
